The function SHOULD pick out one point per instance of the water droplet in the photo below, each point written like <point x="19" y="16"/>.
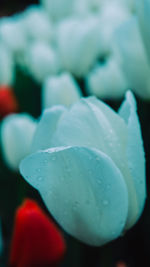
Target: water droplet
<point x="53" y="158"/>
<point x="38" y="170"/>
<point x="99" y="181"/>
<point x="122" y="223"/>
<point x="39" y="178"/>
<point x="105" y="202"/>
<point x="75" y="205"/>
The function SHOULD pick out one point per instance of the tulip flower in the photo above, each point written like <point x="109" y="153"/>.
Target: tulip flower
<point x="84" y="7"/>
<point x="11" y="33"/>
<point x="36" y="240"/>
<point x="36" y="24"/>
<point x="61" y="89"/>
<point x="89" y="167"/>
<point x="16" y="135"/>
<point x="42" y="60"/>
<point x="112" y="15"/>
<point x="107" y="80"/>
<point x="58" y="9"/>
<point x="121" y="264"/>
<point x="7" y="69"/>
<point x="79" y="52"/>
<point x="143" y="11"/>
<point x="8" y="101"/>
<point x="131" y="49"/>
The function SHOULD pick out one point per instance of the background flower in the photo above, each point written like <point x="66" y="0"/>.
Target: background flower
<point x="16" y="136"/>
<point x="36" y="240"/>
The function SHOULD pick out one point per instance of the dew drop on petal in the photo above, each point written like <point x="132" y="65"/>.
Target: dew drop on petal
<point x="105" y="202"/>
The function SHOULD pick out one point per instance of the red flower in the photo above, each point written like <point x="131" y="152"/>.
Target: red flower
<point x="121" y="264"/>
<point x="8" y="101"/>
<point x="36" y="240"/>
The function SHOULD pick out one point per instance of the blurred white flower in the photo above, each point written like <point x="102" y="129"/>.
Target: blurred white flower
<point x="78" y="44"/>
<point x="107" y="80"/>
<point x="58" y="9"/>
<point x="42" y="60"/>
<point x="111" y="17"/>
<point x="61" y="89"/>
<point x="36" y="24"/>
<point x="89" y="167"/>
<point x="85" y="7"/>
<point x="16" y="136"/>
<point x="12" y="34"/>
<point x="133" y="58"/>
<point x="143" y="11"/>
<point x="7" y="69"/>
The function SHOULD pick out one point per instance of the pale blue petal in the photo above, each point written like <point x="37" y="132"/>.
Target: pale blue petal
<point x="79" y="52"/>
<point x="143" y="11"/>
<point x="46" y="128"/>
<point x="42" y="60"/>
<point x="134" y="61"/>
<point x="107" y="81"/>
<point x="7" y="66"/>
<point x="83" y="189"/>
<point x="41" y="28"/>
<point x="92" y="123"/>
<point x="135" y="149"/>
<point x="57" y="9"/>
<point x="60" y="90"/>
<point x="17" y="131"/>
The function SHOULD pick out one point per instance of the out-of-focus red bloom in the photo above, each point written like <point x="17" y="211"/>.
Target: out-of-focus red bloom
<point x="36" y="241"/>
<point x="121" y="264"/>
<point x="8" y="101"/>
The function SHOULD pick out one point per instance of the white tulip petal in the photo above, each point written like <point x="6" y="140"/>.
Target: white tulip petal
<point x="107" y="81"/>
<point x="11" y="33"/>
<point x="61" y="89"/>
<point x="143" y="11"/>
<point x="92" y="123"/>
<point x="134" y="60"/>
<point x="111" y="17"/>
<point x="36" y="24"/>
<point x="58" y="9"/>
<point x="42" y="60"/>
<point x="80" y="51"/>
<point x="135" y="149"/>
<point x="7" y="68"/>
<point x="46" y="128"/>
<point x="83" y="189"/>
<point x="16" y="136"/>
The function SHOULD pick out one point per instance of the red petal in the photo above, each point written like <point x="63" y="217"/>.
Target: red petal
<point x="8" y="101"/>
<point x="121" y="264"/>
<point x="36" y="240"/>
